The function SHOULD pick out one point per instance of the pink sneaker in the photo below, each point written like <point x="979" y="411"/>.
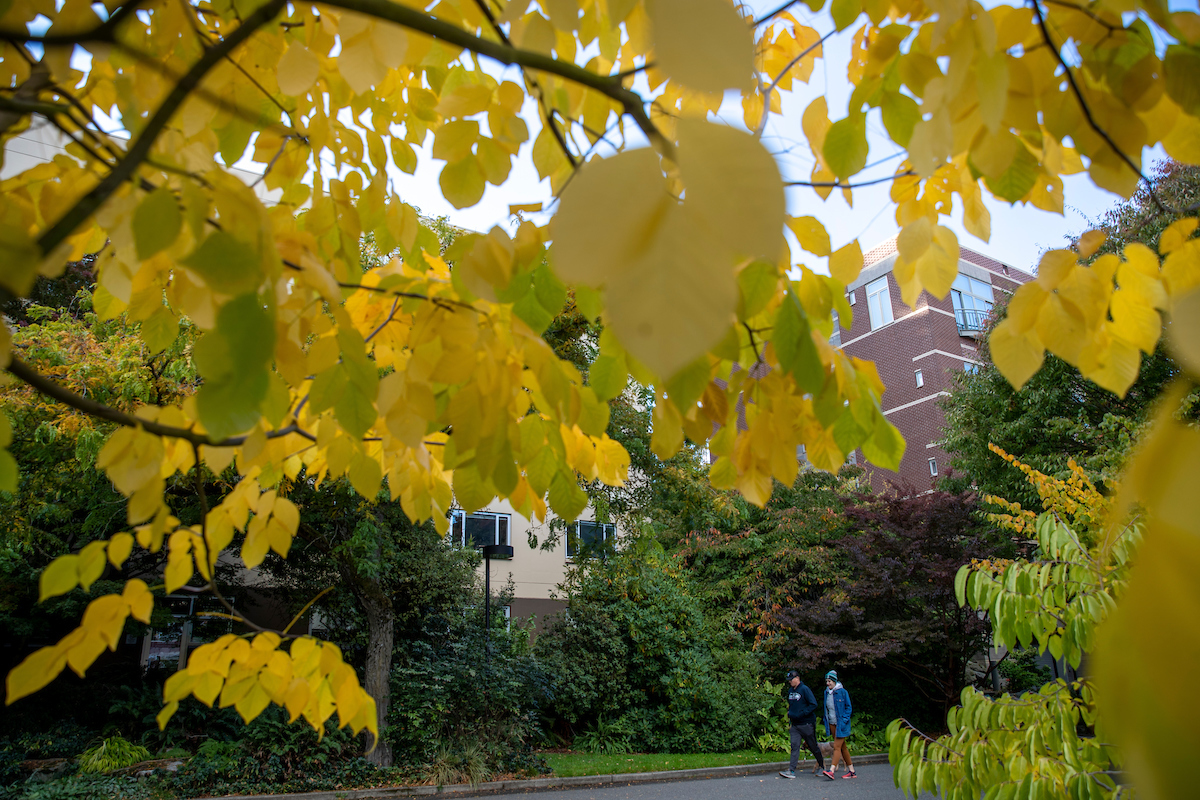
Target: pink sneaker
<point x="828" y="774"/>
<point x="850" y="774"/>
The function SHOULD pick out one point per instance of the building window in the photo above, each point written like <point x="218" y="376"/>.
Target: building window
<point x="586" y="538"/>
<point x="478" y="529"/>
<point x="970" y="368"/>
<point x="879" y="302"/>
<point x="852" y="459"/>
<point x="853" y="298"/>
<point x="920" y="378"/>
<point x="194" y="621"/>
<point x="972" y="300"/>
<point x="933" y="467"/>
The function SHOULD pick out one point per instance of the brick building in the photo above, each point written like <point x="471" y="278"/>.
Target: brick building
<point x="917" y="350"/>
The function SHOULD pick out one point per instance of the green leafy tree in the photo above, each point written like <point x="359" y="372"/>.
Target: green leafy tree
<point x="636" y="649"/>
<point x="376" y="577"/>
<point x="1053" y="741"/>
<point x="1060" y="415"/>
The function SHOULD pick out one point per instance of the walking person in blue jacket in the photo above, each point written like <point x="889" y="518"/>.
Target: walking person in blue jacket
<point x="837" y="722"/>
<point x="802" y="723"/>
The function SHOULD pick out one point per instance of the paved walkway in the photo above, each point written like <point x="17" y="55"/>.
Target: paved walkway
<point x="874" y="783"/>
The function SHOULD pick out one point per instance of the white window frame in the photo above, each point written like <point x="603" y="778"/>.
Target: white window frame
<point x="502" y="534"/>
<point x="879" y="303"/>
<point x="920" y="378"/>
<point x="933" y="468"/>
<point x="608" y="531"/>
<point x="972" y="300"/>
<point x="853" y="297"/>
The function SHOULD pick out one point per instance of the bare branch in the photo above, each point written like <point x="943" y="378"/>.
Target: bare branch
<point x="839" y="185"/>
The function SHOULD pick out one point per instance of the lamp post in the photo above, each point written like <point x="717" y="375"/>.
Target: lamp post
<point x="500" y="552"/>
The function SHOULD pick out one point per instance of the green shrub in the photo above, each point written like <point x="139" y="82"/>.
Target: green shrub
<point x="636" y="646"/>
<point x="606" y="738"/>
<point x="445" y="695"/>
<point x="461" y="762"/>
<point x="1023" y="672"/>
<point x="112" y="754"/>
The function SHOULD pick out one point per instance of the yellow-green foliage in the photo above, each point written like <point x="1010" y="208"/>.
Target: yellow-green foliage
<point x="1074" y="500"/>
<point x="111" y="754"/>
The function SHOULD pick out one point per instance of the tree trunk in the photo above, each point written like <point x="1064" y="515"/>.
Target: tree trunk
<point x="381" y="630"/>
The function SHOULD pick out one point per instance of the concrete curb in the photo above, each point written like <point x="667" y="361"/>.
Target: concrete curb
<point x="543" y="784"/>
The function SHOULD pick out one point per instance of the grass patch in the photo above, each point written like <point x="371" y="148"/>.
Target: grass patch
<point x="568" y="765"/>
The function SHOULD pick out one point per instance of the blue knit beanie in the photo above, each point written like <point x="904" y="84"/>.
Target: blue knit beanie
<point x="832" y="674"/>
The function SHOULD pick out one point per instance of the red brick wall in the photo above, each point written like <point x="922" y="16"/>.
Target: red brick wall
<point x="924" y="338"/>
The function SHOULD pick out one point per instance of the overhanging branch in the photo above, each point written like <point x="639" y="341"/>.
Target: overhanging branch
<point x="62" y="394"/>
<point x="421" y="22"/>
<point x="140" y="149"/>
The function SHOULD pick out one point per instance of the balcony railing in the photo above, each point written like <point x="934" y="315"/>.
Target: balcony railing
<point x="971" y="321"/>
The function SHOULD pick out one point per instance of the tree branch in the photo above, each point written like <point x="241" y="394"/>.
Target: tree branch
<point x="1087" y="111"/>
<point x="104" y="32"/>
<point x="775" y="13"/>
<point x="54" y="391"/>
<point x="840" y="185"/>
<point x="609" y="85"/>
<point x="137" y="153"/>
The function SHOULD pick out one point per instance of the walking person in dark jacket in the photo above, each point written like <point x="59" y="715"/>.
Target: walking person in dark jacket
<point x="837" y="723"/>
<point x="801" y="705"/>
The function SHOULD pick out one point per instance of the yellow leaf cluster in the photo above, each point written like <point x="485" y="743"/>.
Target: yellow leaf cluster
<point x="100" y="628"/>
<point x="1098" y="317"/>
<point x="84" y="568"/>
<point x="310" y="680"/>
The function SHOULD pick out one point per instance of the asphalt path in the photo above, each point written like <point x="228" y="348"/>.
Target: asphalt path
<point x="874" y="783"/>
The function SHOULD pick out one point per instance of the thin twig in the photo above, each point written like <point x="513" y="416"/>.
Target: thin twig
<point x="391" y="315"/>
<point x="55" y="391"/>
<point x="776" y="12"/>
<point x="307" y="606"/>
<point x="840" y="185"/>
<point x="543" y="106"/>
<point x="753" y="344"/>
<point x="929" y="739"/>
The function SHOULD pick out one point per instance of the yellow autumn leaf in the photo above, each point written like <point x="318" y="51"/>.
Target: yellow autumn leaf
<point x="462" y="182"/>
<point x="811" y="234"/>
<point x="298" y="69"/>
<point x="1184" y="332"/>
<point x="1090" y="242"/>
<point x="1017" y="354"/>
<point x="597" y="230"/>
<point x="733" y="189"/>
<point x="703" y="44"/>
<point x="59" y="577"/>
<point x="846" y="262"/>
<point x="119" y="548"/>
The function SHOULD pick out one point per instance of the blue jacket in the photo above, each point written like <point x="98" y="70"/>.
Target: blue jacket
<point x="842" y="711"/>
